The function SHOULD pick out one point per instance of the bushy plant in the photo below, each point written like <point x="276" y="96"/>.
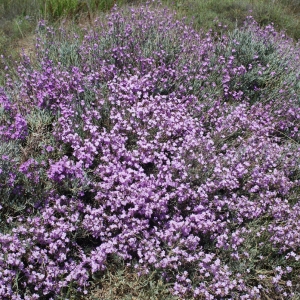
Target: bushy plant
<point x="170" y="149"/>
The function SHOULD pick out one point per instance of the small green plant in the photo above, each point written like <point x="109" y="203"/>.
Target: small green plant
<point x="59" y="8"/>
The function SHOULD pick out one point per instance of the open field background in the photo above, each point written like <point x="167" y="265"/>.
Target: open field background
<point x="279" y="79"/>
<point x="18" y="17"/>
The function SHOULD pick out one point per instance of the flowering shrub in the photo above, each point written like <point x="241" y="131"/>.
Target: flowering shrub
<point x="142" y="138"/>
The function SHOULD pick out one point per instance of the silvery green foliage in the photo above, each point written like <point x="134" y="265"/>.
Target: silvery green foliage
<point x="262" y="54"/>
<point x="173" y="150"/>
<point x="9" y="152"/>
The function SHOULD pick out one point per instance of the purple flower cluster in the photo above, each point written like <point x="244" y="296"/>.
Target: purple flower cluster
<point x="171" y="149"/>
<point x="12" y="124"/>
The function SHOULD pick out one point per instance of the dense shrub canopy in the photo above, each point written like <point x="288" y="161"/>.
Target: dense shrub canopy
<point x="172" y="149"/>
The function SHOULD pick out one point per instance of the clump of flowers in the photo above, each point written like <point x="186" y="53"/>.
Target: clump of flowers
<point x="171" y="149"/>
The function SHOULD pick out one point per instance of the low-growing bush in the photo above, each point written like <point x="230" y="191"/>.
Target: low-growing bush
<point x="145" y="140"/>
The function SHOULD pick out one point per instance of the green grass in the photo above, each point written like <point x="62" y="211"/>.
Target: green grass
<point x="285" y="14"/>
<point x="122" y="282"/>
